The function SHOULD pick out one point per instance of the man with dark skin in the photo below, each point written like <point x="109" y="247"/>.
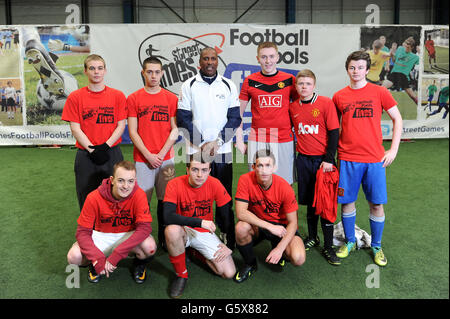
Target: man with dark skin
<point x="208" y="113"/>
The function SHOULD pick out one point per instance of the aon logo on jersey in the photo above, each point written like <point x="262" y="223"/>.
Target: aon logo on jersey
<point x="308" y="129"/>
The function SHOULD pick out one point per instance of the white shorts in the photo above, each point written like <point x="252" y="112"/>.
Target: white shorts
<point x="107" y="242"/>
<point x="205" y="242"/>
<point x="149" y="178"/>
<point x="284" y="157"/>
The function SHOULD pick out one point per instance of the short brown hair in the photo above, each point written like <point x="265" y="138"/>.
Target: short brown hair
<point x="356" y="56"/>
<point x="264" y="152"/>
<point x="198" y="157"/>
<point x="305" y="73"/>
<point x="93" y="57"/>
<point x="266" y="44"/>
<point x="151" y="60"/>
<point x="129" y="166"/>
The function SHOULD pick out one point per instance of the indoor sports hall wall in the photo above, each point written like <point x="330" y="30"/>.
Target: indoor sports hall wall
<point x="321" y="48"/>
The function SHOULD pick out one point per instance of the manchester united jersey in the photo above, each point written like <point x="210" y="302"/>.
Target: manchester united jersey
<point x="311" y="122"/>
<point x="270" y="96"/>
<point x="196" y="202"/>
<point x="270" y="205"/>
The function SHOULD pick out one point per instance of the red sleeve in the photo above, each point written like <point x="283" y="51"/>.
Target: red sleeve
<point x="242" y="189"/>
<point x="221" y="195"/>
<point x="170" y="194"/>
<point x="243" y="95"/>
<point x="289" y="201"/>
<point x="142" y="210"/>
<point x="173" y="105"/>
<point x="89" y="212"/>
<point x="70" y="111"/>
<point x="88" y="248"/>
<point x="122" y="105"/>
<point x="387" y="101"/>
<point x="142" y="231"/>
<point x="332" y="121"/>
<point x="131" y="105"/>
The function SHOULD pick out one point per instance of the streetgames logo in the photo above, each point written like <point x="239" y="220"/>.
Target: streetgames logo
<point x="180" y="55"/>
<point x="315" y="112"/>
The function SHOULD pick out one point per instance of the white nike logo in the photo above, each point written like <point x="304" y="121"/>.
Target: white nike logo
<point x="257" y="85"/>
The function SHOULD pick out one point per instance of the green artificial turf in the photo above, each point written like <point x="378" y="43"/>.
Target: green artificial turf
<point x="39" y="212"/>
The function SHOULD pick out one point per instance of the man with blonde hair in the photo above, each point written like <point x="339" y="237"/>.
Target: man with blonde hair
<point x="97" y="115"/>
<point x="114" y="222"/>
<point x="316" y="128"/>
<point x="270" y="92"/>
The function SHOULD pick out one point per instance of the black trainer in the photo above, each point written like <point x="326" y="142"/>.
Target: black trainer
<point x="330" y="256"/>
<point x="177" y="288"/>
<point x="140" y="274"/>
<point x="93" y="277"/>
<point x="311" y="242"/>
<point x="245" y="273"/>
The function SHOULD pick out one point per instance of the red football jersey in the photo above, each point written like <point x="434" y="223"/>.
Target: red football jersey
<point x="270" y="97"/>
<point x="361" y="139"/>
<point x="107" y="217"/>
<point x="272" y="204"/>
<point x="96" y="112"/>
<point x="196" y="202"/>
<point x="311" y="122"/>
<point x="429" y="44"/>
<point x="153" y="113"/>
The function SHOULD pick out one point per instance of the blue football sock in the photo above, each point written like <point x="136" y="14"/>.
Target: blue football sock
<point x="348" y="222"/>
<point x="376" y="228"/>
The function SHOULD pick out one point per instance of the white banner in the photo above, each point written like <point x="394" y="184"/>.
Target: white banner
<point x="37" y="59"/>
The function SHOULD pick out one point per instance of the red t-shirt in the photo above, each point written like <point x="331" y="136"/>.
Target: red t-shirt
<point x="311" y="122"/>
<point x="270" y="205"/>
<point x="196" y="202"/>
<point x="360" y="110"/>
<point x="96" y="112"/>
<point x="429" y="44"/>
<point x="107" y="217"/>
<point x="153" y="113"/>
<point x="270" y="97"/>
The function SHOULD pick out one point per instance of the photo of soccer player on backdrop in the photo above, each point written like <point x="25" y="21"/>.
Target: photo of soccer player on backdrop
<point x="400" y="73"/>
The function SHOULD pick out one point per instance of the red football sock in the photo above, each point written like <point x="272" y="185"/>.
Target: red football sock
<point x="179" y="264"/>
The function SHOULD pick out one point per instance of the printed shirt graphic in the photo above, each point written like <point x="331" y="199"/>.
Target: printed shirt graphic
<point x="361" y="138"/>
<point x="107" y="217"/>
<point x="196" y="202"/>
<point x="311" y="122"/>
<point x="153" y="113"/>
<point x="270" y="97"/>
<point x="96" y="112"/>
<point x="404" y="61"/>
<point x="270" y="205"/>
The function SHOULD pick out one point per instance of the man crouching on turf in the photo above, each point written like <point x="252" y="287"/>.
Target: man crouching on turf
<point x="115" y="221"/>
<point x="266" y="208"/>
<point x="188" y="214"/>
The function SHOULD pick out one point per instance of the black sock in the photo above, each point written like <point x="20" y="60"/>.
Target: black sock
<point x="327" y="229"/>
<point x="247" y="253"/>
<point x="312" y="220"/>
<point x="161" y="226"/>
<point x="138" y="262"/>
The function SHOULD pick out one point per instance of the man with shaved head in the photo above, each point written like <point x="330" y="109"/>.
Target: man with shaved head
<point x="208" y="115"/>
